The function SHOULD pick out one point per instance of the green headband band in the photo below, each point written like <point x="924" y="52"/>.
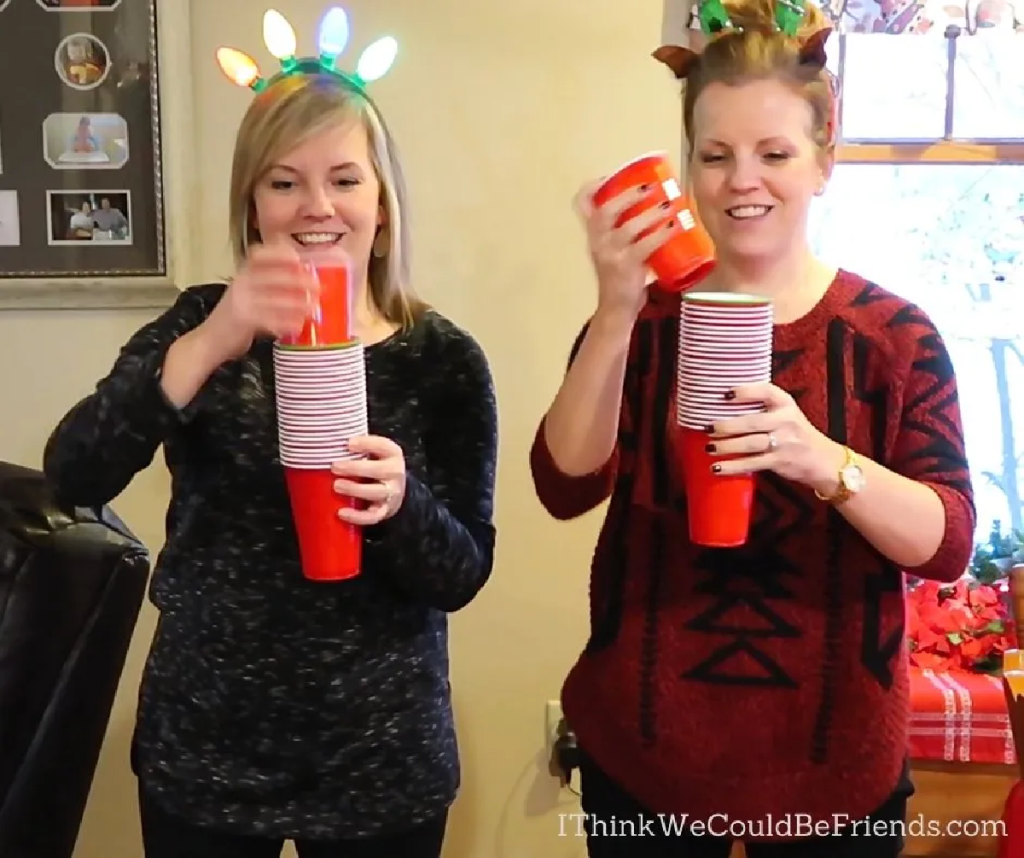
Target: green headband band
<point x="279" y="37"/>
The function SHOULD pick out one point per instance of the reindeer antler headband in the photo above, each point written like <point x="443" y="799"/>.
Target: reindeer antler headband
<point x="714" y="21"/>
<point x="788" y="16"/>
<point x="279" y="37"/>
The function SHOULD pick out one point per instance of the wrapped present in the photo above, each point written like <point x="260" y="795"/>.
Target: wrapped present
<point x="959" y="717"/>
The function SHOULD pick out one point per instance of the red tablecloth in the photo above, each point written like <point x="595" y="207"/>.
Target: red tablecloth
<point x="959" y="717"/>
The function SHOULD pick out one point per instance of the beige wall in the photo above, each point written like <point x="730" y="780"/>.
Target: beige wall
<point x="502" y="109"/>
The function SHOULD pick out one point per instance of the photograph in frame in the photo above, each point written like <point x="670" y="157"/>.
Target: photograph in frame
<point x="82" y="61"/>
<point x="79" y="5"/>
<point x="100" y="217"/>
<point x="85" y="141"/>
<point x="10" y="219"/>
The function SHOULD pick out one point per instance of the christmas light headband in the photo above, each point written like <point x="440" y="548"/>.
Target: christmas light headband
<point x="332" y="37"/>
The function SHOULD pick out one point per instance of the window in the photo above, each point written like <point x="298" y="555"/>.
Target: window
<point x="927" y="199"/>
<point x="915" y="92"/>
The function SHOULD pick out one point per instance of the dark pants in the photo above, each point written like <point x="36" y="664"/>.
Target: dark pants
<point x="603" y="799"/>
<point x="166" y="836"/>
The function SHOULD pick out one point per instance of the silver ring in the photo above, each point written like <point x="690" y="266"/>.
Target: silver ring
<point x="773" y="442"/>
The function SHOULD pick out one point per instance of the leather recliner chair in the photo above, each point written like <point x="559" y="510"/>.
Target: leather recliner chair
<point x="72" y="583"/>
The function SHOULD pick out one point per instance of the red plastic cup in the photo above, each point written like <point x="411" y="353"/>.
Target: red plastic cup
<point x="687" y="257"/>
<point x="330" y="323"/>
<point x="719" y="508"/>
<point x="329" y="549"/>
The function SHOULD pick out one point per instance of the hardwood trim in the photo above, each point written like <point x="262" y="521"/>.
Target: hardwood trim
<point x="940" y="152"/>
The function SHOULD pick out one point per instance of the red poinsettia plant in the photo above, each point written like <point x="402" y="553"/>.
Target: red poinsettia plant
<point x="964" y="626"/>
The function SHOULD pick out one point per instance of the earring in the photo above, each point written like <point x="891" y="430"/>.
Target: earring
<point x="380" y="244"/>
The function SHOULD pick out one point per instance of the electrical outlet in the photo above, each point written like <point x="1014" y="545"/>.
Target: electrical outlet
<point x="552" y="724"/>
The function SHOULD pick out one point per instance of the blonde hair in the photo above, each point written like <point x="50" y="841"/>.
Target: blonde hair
<point x="754" y="50"/>
<point x="285" y="115"/>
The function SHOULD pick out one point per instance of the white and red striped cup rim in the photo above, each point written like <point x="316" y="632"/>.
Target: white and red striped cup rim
<point x="321" y="461"/>
<point x="355" y="370"/>
<point x="723" y="355"/>
<point x="349" y="348"/>
<point x="691" y="423"/>
<point x="702" y="363"/>
<point x="711" y="408"/>
<point x="726" y="333"/>
<point x="295" y="417"/>
<point x="710" y="399"/>
<point x="317" y="362"/>
<point x="726" y="316"/>
<point x="740" y="326"/>
<point x="328" y="389"/>
<point x="320" y="372"/>
<point x="720" y="371"/>
<point x="710" y="416"/>
<point x="300" y="409"/>
<point x="356" y="383"/>
<point x="323" y="453"/>
<point x="320" y="431"/>
<point x="314" y="464"/>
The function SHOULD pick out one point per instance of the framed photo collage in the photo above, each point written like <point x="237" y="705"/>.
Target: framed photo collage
<point x="81" y="178"/>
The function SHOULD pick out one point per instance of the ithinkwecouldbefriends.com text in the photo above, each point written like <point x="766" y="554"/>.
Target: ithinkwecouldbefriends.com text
<point x="770" y="828"/>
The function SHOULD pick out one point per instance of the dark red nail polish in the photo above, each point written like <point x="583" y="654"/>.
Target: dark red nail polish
<point x="710" y="429"/>
<point x="716" y="468"/>
<point x="730" y="394"/>
<point x="710" y="448"/>
<point x="643" y="189"/>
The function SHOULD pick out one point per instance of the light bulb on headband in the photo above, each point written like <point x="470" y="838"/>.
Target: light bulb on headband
<point x="333" y="36"/>
<point x="279" y="37"/>
<point x="374" y="62"/>
<point x="240" y="68"/>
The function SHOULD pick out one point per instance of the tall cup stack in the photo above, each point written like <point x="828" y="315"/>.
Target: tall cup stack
<point x="320" y="393"/>
<point x="725" y="342"/>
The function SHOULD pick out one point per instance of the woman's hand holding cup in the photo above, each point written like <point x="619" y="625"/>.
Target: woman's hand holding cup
<point x="272" y="294"/>
<point x="616" y="252"/>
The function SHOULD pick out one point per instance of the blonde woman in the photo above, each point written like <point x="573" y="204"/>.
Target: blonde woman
<point x="273" y="708"/>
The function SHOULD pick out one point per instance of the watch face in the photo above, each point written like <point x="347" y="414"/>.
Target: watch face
<point x="853" y="478"/>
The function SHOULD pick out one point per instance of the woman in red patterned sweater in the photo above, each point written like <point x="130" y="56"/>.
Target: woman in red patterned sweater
<point x="759" y="693"/>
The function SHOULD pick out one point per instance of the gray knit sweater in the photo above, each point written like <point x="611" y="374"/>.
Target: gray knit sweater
<point x="270" y="704"/>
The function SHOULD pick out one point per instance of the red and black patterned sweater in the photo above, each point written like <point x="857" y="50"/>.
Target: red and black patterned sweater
<point x="767" y="680"/>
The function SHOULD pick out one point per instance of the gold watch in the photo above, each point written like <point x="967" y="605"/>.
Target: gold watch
<point x="851" y="480"/>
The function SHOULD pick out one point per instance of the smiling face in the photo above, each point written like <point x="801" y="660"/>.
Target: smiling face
<point x="323" y="194"/>
<point x="755" y="167"/>
<point x="315" y="167"/>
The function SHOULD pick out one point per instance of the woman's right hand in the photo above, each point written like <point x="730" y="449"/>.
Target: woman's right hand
<point x="617" y="256"/>
<point x="272" y="294"/>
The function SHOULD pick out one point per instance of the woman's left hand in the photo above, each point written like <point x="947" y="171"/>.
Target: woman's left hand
<point x="779" y="439"/>
<point x="378" y="480"/>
